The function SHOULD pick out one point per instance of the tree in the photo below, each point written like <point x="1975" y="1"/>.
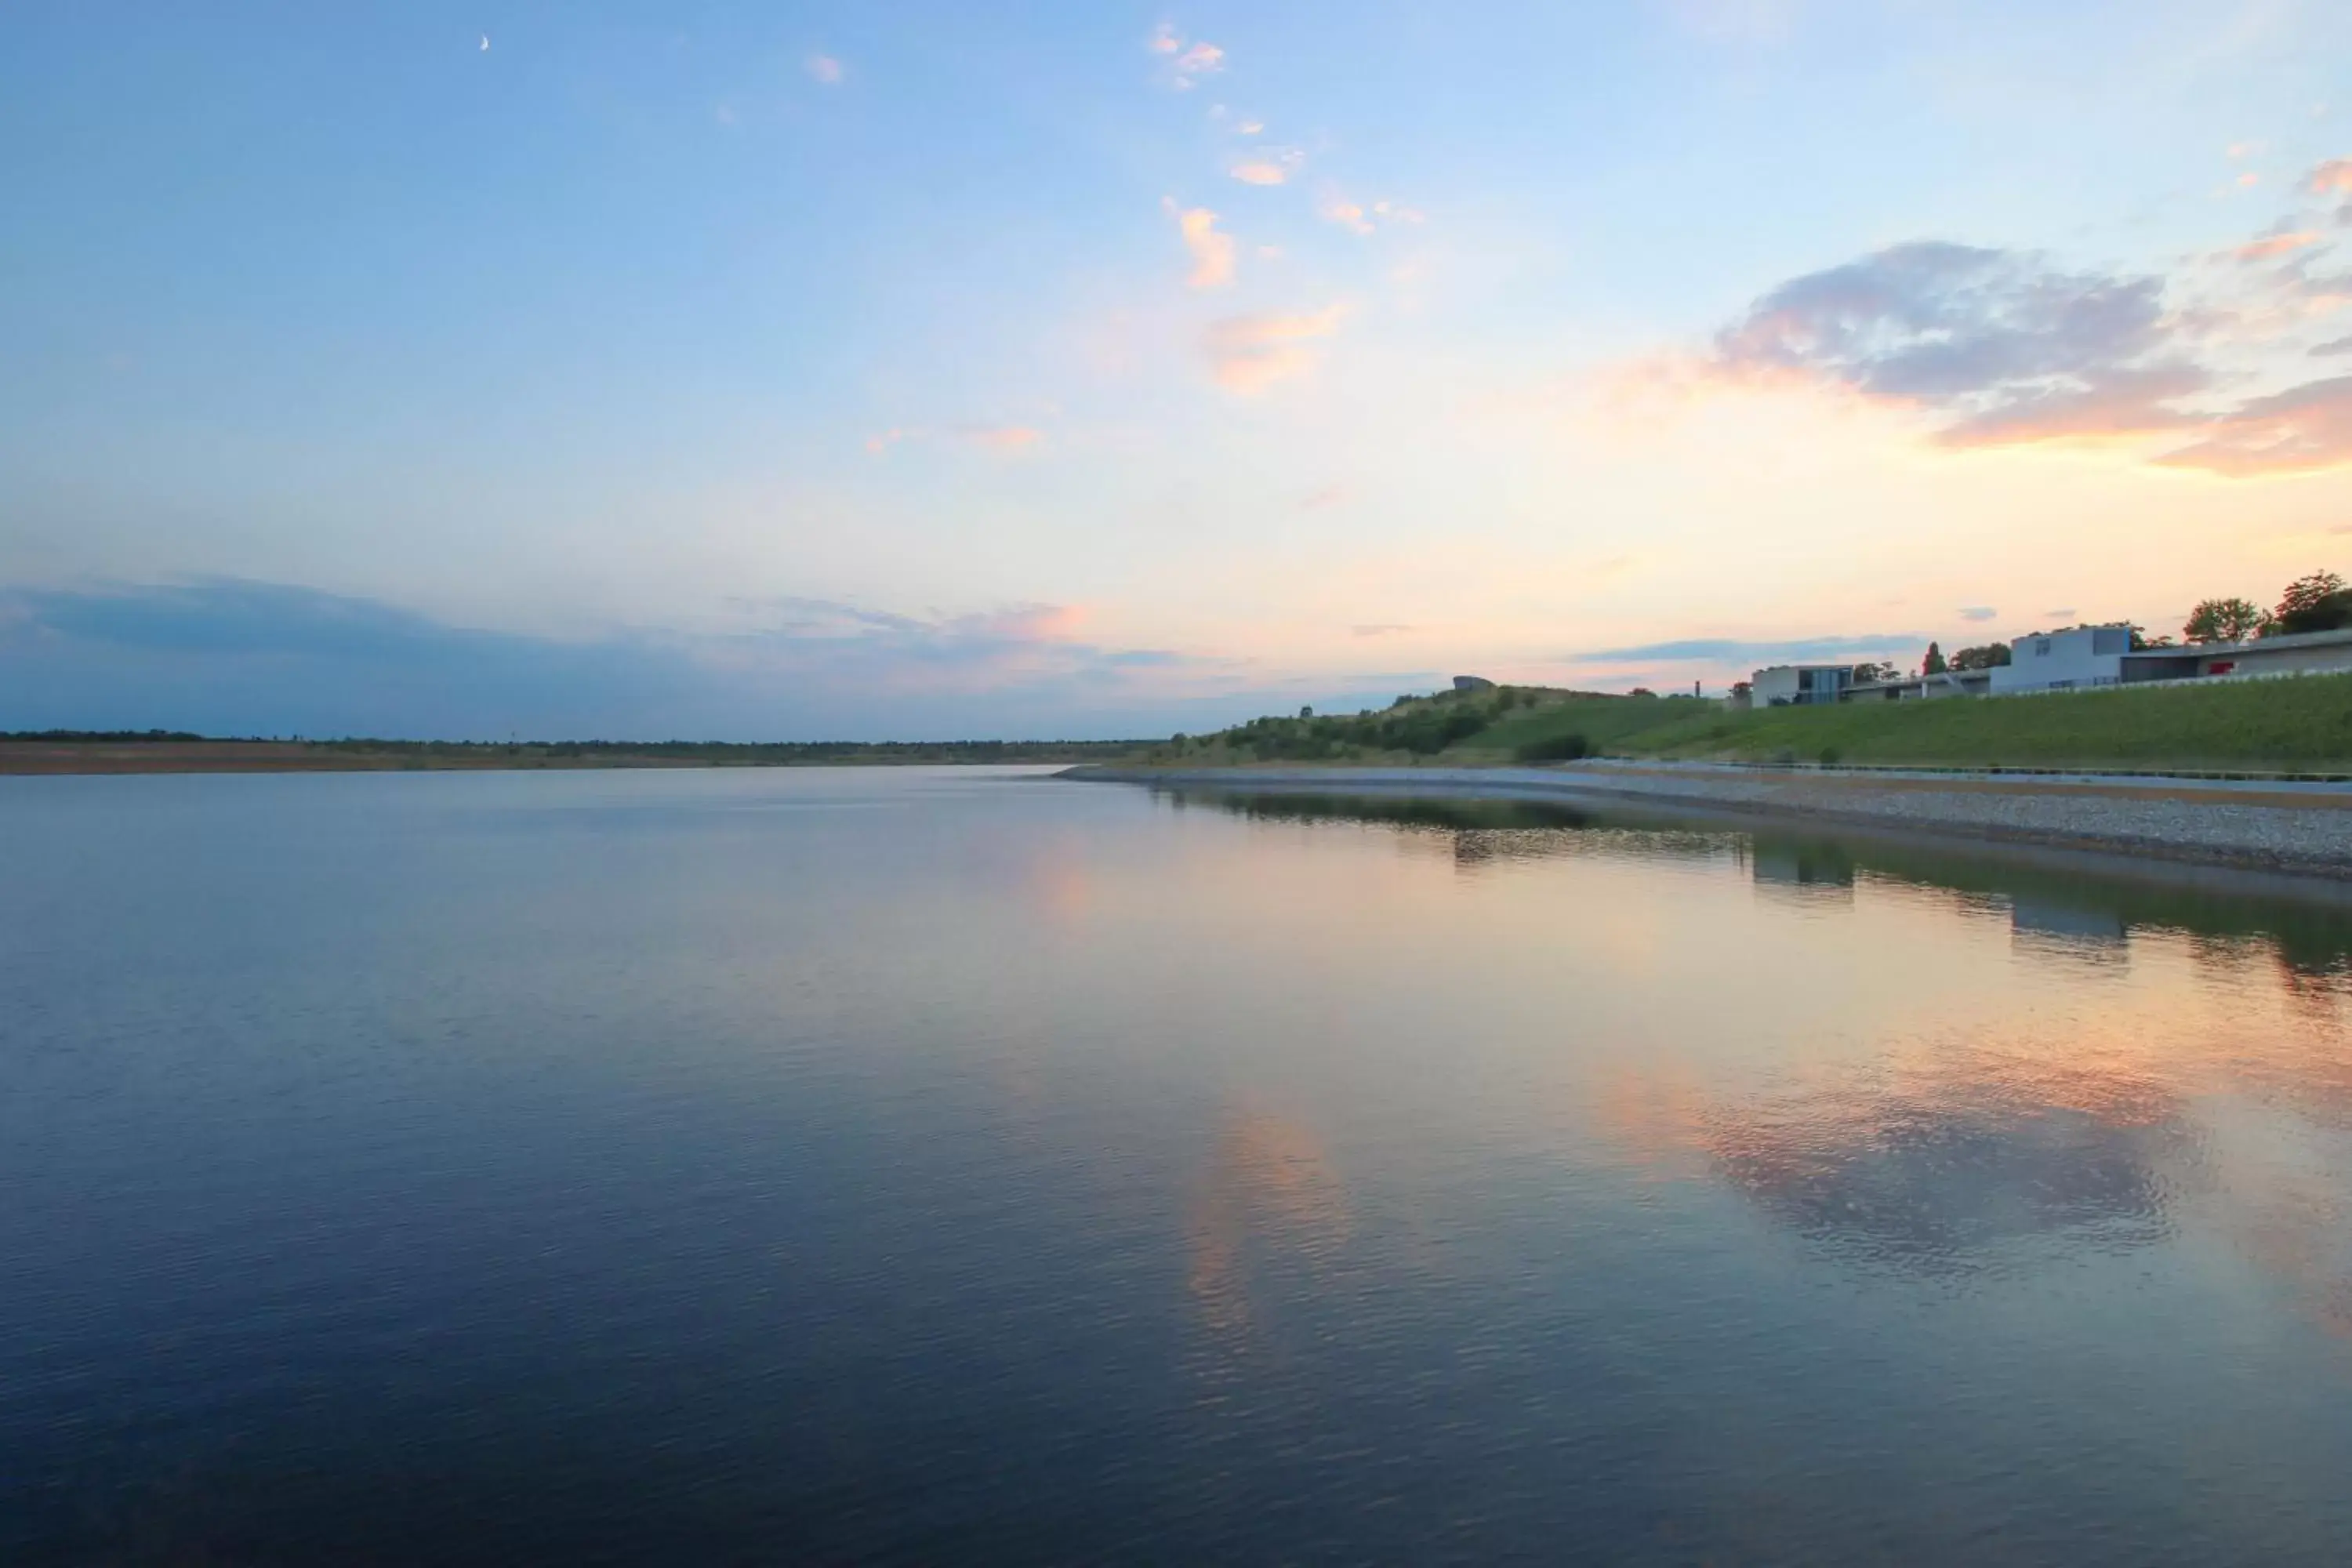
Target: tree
<point x="2140" y="639"/>
<point x="1640" y="691"/>
<point x="1935" y="663"/>
<point x="1991" y="656"/>
<point x="1306" y="712"/>
<point x="2319" y="602"/>
<point x="2224" y="620"/>
<point x="1863" y="673"/>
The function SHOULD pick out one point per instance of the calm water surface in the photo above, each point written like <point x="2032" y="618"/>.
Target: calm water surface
<point x="953" y="1167"/>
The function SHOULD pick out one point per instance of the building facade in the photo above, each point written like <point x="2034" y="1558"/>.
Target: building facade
<point x="1919" y="687"/>
<point x="2064" y="661"/>
<point x="2300" y="653"/>
<point x="2083" y="658"/>
<point x="1791" y="685"/>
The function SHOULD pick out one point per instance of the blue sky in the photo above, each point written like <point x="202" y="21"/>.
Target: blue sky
<point x="770" y="371"/>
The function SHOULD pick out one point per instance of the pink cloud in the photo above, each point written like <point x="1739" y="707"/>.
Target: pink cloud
<point x="2272" y="245"/>
<point x="1011" y="440"/>
<point x="1025" y="623"/>
<point x="1247" y="354"/>
<point x="1328" y="496"/>
<point x="1260" y="172"/>
<point x="2001" y="349"/>
<point x="1347" y="215"/>
<point x="1001" y="438"/>
<point x="1212" y="253"/>
<point x="827" y="70"/>
<point x="1999" y="346"/>
<point x="1201" y="59"/>
<point x="1165" y="39"/>
<point x="2301" y="430"/>
<point x="2333" y="178"/>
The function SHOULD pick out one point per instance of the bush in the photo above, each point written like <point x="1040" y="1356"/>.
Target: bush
<point x="1830" y="755"/>
<point x="1556" y="749"/>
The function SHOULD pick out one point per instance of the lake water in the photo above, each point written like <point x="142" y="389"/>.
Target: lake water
<point x="935" y="1166"/>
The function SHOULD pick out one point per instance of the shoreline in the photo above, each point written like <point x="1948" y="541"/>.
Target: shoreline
<point x="68" y="759"/>
<point x="2300" y="829"/>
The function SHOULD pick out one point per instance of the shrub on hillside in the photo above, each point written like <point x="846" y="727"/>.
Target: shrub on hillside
<point x="1565" y="748"/>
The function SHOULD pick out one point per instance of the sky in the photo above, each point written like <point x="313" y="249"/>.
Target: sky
<point x="735" y="371"/>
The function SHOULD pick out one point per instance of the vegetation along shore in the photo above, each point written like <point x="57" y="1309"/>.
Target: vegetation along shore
<point x="160" y="751"/>
<point x="2301" y="725"/>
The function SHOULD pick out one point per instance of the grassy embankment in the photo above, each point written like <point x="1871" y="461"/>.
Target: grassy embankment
<point x="2301" y="725"/>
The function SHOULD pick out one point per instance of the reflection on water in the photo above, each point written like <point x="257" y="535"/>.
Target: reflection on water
<point x="1955" y="1155"/>
<point x="2094" y="901"/>
<point x="1784" y="866"/>
<point x="1270" y="1184"/>
<point x="931" y="1165"/>
<point x="1955" y="1172"/>
<point x="2069" y="926"/>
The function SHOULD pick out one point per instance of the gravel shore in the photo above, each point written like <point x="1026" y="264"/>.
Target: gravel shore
<point x="2270" y="825"/>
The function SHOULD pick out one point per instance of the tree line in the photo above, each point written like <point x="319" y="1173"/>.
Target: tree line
<point x="2317" y="602"/>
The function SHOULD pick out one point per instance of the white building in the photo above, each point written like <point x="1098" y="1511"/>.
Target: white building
<point x="1914" y="688"/>
<point x="2296" y="653"/>
<point x="2103" y="655"/>
<point x="2079" y="660"/>
<point x="1790" y="685"/>
<point x="2064" y="661"/>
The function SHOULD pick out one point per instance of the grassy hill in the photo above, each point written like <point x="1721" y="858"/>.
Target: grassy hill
<point x="2289" y="725"/>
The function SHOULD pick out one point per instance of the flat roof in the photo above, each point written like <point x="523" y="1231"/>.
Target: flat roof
<point x="2253" y="645"/>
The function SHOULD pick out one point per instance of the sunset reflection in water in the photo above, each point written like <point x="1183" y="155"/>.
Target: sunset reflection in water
<point x="1984" y="1064"/>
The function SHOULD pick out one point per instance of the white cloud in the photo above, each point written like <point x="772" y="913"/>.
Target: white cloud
<point x="1249" y="353"/>
<point x="1347" y="215"/>
<point x="1212" y="253"/>
<point x="1201" y="60"/>
<point x="1268" y="166"/>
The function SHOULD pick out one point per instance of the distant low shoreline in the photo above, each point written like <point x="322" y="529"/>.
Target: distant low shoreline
<point x="195" y="754"/>
<point x="2270" y="825"/>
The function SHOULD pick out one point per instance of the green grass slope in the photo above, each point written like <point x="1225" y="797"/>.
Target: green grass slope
<point x="1610" y="724"/>
<point x="2289" y="725"/>
<point x="2297" y="725"/>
